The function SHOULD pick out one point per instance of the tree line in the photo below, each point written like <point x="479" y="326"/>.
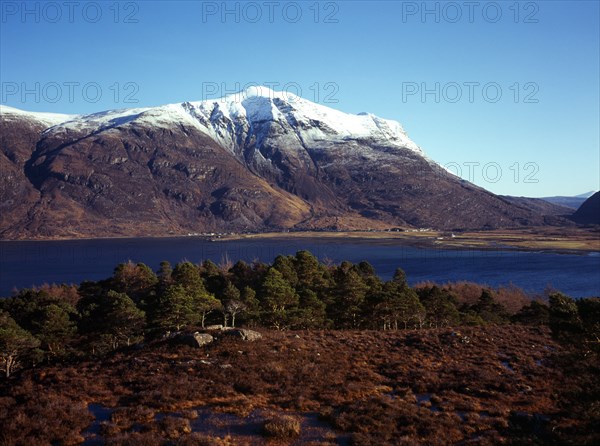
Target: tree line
<point x="293" y="292"/>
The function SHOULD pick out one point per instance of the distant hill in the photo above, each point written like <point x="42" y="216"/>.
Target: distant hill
<point x="570" y="202"/>
<point x="589" y="212"/>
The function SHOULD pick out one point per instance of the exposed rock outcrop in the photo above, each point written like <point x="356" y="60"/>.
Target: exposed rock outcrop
<point x="196" y="339"/>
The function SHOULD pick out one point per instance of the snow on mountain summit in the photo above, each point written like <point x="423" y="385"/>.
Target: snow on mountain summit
<point x="256" y="113"/>
<point x="311" y="123"/>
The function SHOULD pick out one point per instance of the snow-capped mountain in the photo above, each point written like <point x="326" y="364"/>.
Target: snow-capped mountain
<point x="254" y="160"/>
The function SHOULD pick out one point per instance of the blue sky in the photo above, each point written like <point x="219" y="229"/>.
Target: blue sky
<point x="511" y="89"/>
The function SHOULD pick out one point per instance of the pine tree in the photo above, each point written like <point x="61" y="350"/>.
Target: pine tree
<point x="313" y="276"/>
<point x="489" y="310"/>
<point x="400" y="278"/>
<point x="278" y="298"/>
<point x="110" y="319"/>
<point x="308" y="271"/>
<point x="209" y="268"/>
<point x="409" y="309"/>
<point x="564" y="316"/>
<point x="164" y="274"/>
<point x="536" y="313"/>
<point x="54" y="328"/>
<point x="187" y="275"/>
<point x="176" y="309"/>
<point x="350" y="292"/>
<point x="400" y="305"/>
<point x="241" y="274"/>
<point x="440" y="305"/>
<point x="230" y="292"/>
<point x="124" y="320"/>
<point x="373" y="298"/>
<point x="252" y="313"/>
<point x="214" y="279"/>
<point x="285" y="265"/>
<point x="311" y="312"/>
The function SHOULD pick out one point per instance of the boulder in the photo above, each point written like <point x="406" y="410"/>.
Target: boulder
<point x="214" y="327"/>
<point x="244" y="334"/>
<point x="196" y="339"/>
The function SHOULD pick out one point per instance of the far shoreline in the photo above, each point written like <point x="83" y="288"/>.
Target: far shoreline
<point x="545" y="239"/>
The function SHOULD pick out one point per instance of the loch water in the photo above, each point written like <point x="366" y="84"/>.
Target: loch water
<point x="27" y="263"/>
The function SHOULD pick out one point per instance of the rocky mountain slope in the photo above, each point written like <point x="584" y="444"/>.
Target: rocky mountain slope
<point x="253" y="161"/>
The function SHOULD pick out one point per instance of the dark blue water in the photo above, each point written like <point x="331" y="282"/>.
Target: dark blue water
<point x="23" y="264"/>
